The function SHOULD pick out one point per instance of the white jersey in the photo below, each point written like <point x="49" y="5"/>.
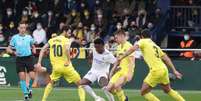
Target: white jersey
<point x="100" y="66"/>
<point x="101" y="62"/>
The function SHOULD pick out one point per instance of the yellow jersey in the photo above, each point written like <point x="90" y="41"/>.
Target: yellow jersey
<point x="152" y="54"/>
<point x="121" y="49"/>
<point x="58" y="55"/>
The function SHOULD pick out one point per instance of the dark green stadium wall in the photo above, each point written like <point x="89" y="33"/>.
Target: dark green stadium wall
<point x="190" y="69"/>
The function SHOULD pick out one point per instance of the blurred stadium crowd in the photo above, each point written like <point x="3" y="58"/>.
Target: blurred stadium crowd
<point x="88" y="19"/>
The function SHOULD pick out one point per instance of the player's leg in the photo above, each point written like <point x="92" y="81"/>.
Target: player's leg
<point x="103" y="82"/>
<point x="20" y="68"/>
<point x="71" y="75"/>
<point x="149" y="82"/>
<point x="53" y="78"/>
<point x="32" y="78"/>
<point x="165" y="84"/>
<point x="31" y="72"/>
<point x="22" y="76"/>
<point x="118" y="87"/>
<point x="115" y="85"/>
<point x="85" y="84"/>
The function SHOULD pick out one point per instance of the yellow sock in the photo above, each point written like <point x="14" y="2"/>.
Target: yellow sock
<point x="120" y="94"/>
<point x="175" y="95"/>
<point x="151" y="97"/>
<point x="81" y="93"/>
<point x="48" y="89"/>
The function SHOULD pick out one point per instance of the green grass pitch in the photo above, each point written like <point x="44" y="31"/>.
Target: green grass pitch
<point x="70" y="94"/>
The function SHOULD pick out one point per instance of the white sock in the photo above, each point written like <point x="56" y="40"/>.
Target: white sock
<point x="90" y="91"/>
<point x="109" y="95"/>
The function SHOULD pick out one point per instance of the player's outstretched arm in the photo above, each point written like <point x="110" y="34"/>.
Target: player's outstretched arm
<point x="114" y="67"/>
<point x="90" y="58"/>
<point x="169" y="63"/>
<point x="45" y="47"/>
<point x="67" y="46"/>
<point x="127" y="53"/>
<point x="131" y="68"/>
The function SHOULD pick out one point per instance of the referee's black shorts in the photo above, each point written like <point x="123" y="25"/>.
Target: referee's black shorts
<point x="24" y="64"/>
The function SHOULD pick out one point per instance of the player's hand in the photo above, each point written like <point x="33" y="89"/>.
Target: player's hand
<point x="178" y="75"/>
<point x="34" y="51"/>
<point x="38" y="65"/>
<point x="66" y="64"/>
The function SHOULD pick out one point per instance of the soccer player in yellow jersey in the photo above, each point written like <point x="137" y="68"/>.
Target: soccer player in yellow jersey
<point x="61" y="64"/>
<point x="124" y="71"/>
<point x="156" y="60"/>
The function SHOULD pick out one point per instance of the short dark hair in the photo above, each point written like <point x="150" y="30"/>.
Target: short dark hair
<point x="145" y="33"/>
<point x="120" y="32"/>
<point x="65" y="28"/>
<point x="22" y="22"/>
<point x="99" y="41"/>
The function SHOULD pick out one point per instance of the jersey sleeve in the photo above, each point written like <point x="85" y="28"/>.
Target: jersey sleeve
<point x="12" y="41"/>
<point x="32" y="41"/>
<point x="128" y="47"/>
<point x="111" y="59"/>
<point x="140" y="43"/>
<point x="161" y="53"/>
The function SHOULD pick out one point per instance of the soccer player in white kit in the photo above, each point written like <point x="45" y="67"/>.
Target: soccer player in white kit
<point x="101" y="61"/>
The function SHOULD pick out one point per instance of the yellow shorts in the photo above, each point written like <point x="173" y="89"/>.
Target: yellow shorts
<point x="117" y="75"/>
<point x="157" y="77"/>
<point x="69" y="74"/>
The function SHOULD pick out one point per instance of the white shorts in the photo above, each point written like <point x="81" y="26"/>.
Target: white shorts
<point x="94" y="75"/>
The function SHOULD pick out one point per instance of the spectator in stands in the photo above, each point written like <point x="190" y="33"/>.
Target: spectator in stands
<point x="119" y="26"/>
<point x="141" y="20"/>
<point x="73" y="18"/>
<point x="8" y="17"/>
<point x="99" y="18"/>
<point x="133" y="31"/>
<point x="86" y="18"/>
<point x="156" y="17"/>
<point x="79" y="31"/>
<point x="3" y="42"/>
<point x="187" y="43"/>
<point x="120" y="5"/>
<point x="39" y="35"/>
<point x="91" y="34"/>
<point x="50" y="23"/>
<point x="10" y="31"/>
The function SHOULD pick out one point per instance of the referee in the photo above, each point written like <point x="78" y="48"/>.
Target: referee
<point x="23" y="45"/>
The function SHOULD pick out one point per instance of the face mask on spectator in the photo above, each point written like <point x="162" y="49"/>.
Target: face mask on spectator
<point x="186" y="37"/>
<point x="36" y="15"/>
<point x="93" y="28"/>
<point x="97" y="2"/>
<point x="9" y="13"/>
<point x="24" y="13"/>
<point x="100" y="16"/>
<point x="150" y="26"/>
<point x="82" y="5"/>
<point x="118" y="26"/>
<point x="38" y="27"/>
<point x="73" y="13"/>
<point x="49" y="13"/>
<point x="1" y="38"/>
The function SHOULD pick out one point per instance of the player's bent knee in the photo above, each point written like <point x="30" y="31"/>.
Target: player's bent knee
<point x="103" y="81"/>
<point x="166" y="90"/>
